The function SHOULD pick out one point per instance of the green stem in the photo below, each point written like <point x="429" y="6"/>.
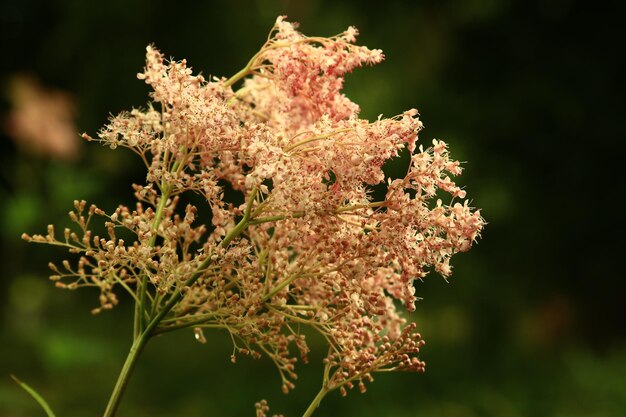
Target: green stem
<point x="298" y="214"/>
<point x="140" y="341"/>
<point x="35" y="395"/>
<point x="122" y="380"/>
<point x="142" y="289"/>
<point x="161" y="330"/>
<point x="245" y="70"/>
<point x="279" y="287"/>
<point x="178" y="294"/>
<point x="201" y="319"/>
<point x="277" y="218"/>
<point x="315" y="138"/>
<point x="316" y="402"/>
<point x="250" y="66"/>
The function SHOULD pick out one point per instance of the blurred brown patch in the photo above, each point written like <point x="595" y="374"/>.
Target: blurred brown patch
<point x="41" y="120"/>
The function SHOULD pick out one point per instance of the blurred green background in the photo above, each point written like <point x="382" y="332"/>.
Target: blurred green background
<point x="532" y="322"/>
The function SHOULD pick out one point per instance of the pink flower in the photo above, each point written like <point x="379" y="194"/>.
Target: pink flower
<point x="306" y="243"/>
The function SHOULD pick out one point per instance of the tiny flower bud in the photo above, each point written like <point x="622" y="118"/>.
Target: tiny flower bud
<point x="199" y="335"/>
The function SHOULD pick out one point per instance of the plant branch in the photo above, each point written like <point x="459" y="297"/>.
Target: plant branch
<point x="178" y="293"/>
<point x="142" y="288"/>
<point x="298" y="214"/>
<point x="122" y="380"/>
<point x="316" y="402"/>
<point x="280" y="286"/>
<point x="140" y="341"/>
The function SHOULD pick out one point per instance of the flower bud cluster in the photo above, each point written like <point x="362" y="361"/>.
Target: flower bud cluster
<point x="308" y="246"/>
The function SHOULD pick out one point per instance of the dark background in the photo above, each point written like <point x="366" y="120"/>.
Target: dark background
<point x="532" y="322"/>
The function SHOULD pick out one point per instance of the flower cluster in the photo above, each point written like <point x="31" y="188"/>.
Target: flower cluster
<point x="308" y="245"/>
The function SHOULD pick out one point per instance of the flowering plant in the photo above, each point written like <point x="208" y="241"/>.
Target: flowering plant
<point x="308" y="244"/>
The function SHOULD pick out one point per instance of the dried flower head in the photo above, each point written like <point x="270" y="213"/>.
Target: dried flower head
<point x="308" y="245"/>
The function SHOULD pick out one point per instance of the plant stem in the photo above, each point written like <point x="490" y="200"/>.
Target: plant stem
<point x="244" y="71"/>
<point x="127" y="369"/>
<point x="299" y="214"/>
<point x="140" y="341"/>
<point x="316" y="402"/>
<point x="177" y="295"/>
<point x="35" y="395"/>
<point x="142" y="288"/>
<point x="279" y="287"/>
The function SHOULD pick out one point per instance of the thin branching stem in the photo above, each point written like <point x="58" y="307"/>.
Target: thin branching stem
<point x="316" y="402"/>
<point x="141" y="340"/>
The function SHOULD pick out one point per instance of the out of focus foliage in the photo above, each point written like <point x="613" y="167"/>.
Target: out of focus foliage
<point x="533" y="320"/>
